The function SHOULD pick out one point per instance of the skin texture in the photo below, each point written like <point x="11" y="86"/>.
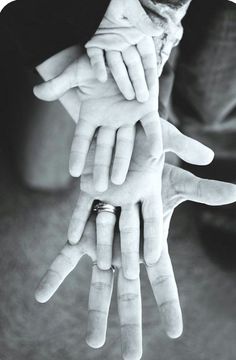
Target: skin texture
<point x="178" y="186"/>
<point x="145" y="170"/>
<point x="141" y="188"/>
<point x="129" y="53"/>
<point x="104" y="110"/>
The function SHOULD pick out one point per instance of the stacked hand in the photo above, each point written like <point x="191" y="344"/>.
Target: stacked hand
<point x="127" y="48"/>
<point x="104" y="109"/>
<point x="142" y="187"/>
<point x="106" y="140"/>
<point x="177" y="186"/>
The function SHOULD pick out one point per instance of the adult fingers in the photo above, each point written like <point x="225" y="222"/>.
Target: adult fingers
<point x="209" y="192"/>
<point x="97" y="61"/>
<point x="98" y="307"/>
<point x="152" y="129"/>
<point x="147" y="51"/>
<point x="123" y="152"/>
<point x="105" y="224"/>
<point x="139" y="18"/>
<point x="61" y="267"/>
<point x="186" y="148"/>
<point x="164" y="287"/>
<point x="103" y="157"/>
<point x="129" y="236"/>
<point x="79" y="217"/>
<point x="134" y="65"/>
<point x="130" y="315"/>
<point x="53" y="89"/>
<point x="152" y="212"/>
<point x="120" y="74"/>
<point x="80" y="146"/>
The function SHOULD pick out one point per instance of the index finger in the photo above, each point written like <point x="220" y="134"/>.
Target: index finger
<point x="61" y="267"/>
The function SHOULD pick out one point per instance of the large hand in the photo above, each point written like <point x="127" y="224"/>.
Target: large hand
<point x="178" y="186"/>
<point x="105" y="108"/>
<point x="142" y="187"/>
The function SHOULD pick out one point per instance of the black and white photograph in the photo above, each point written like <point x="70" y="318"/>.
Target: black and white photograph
<point x="118" y="179"/>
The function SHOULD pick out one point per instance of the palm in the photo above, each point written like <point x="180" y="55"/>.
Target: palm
<point x="178" y="186"/>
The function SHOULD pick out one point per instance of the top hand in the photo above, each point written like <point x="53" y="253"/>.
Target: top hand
<point x="103" y="107"/>
<point x="128" y="52"/>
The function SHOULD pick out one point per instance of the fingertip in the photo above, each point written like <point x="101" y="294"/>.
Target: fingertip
<point x="142" y="97"/>
<point x="131" y="272"/>
<point x="100" y="185"/>
<point x="210" y="156"/>
<point x="129" y="96"/>
<point x="75" y="167"/>
<point x="102" y="77"/>
<point x="41" y="297"/>
<point x="151" y="257"/>
<point x="117" y="178"/>
<point x="94" y="342"/>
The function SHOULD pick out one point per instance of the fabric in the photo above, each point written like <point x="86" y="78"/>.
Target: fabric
<point x="41" y="28"/>
<point x="166" y="14"/>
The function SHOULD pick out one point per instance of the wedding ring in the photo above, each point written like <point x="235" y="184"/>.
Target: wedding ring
<point x="104" y="207"/>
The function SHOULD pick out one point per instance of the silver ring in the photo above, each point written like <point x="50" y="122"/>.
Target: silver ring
<point x="104" y="207"/>
<point x="111" y="268"/>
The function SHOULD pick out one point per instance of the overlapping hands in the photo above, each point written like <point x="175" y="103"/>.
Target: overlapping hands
<point x="122" y="163"/>
<point x="178" y="186"/>
<point x="105" y="110"/>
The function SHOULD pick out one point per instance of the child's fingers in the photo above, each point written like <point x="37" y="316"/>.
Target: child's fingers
<point x="97" y="61"/>
<point x="136" y="73"/>
<point x="146" y="49"/>
<point x="120" y="74"/>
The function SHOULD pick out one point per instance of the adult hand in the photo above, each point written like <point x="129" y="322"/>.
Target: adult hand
<point x="142" y="187"/>
<point x="178" y="186"/>
<point x="103" y="108"/>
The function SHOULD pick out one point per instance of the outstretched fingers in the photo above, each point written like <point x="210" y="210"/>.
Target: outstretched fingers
<point x="123" y="152"/>
<point x="97" y="61"/>
<point x="80" y="146"/>
<point x="54" y="89"/>
<point x="120" y="74"/>
<point x="161" y="277"/>
<point x="188" y="149"/>
<point x="105" y="225"/>
<point x="98" y="307"/>
<point x="147" y="51"/>
<point x="152" y="128"/>
<point x="61" y="267"/>
<point x="129" y="225"/>
<point x="209" y="192"/>
<point x="152" y="213"/>
<point x="130" y="315"/>
<point x="103" y="156"/>
<point x="134" y="65"/>
<point x="79" y="217"/>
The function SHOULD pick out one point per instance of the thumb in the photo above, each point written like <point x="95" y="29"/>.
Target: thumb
<point x="140" y="19"/>
<point x="188" y="149"/>
<point x="209" y="192"/>
<point x="53" y="89"/>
